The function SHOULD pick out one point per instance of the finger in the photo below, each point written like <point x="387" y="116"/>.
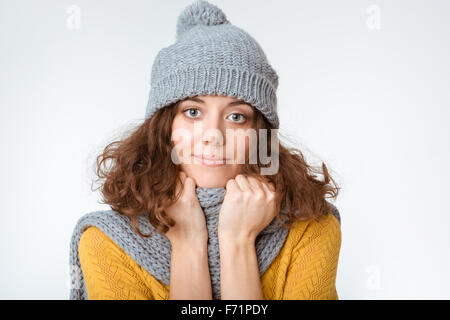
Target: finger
<point x="243" y="183"/>
<point x="255" y="183"/>
<point x="232" y="186"/>
<point x="271" y="186"/>
<point x="267" y="184"/>
<point x="268" y="187"/>
<point x="189" y="186"/>
<point x="180" y="182"/>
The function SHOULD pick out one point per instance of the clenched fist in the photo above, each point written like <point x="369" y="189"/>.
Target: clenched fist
<point x="248" y="207"/>
<point x="187" y="213"/>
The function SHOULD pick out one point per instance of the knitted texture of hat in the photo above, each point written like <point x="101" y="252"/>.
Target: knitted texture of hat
<point x="211" y="56"/>
<point x="154" y="253"/>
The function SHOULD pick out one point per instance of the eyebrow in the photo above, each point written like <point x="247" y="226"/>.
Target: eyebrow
<point x="233" y="103"/>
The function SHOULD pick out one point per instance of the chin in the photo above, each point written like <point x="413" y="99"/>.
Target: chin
<point x="207" y="178"/>
<point x="210" y="182"/>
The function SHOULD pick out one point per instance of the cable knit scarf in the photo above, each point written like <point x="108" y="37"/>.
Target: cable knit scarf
<point x="154" y="253"/>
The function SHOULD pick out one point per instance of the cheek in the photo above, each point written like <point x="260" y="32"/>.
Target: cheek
<point x="241" y="148"/>
<point x="241" y="143"/>
<point x="182" y="145"/>
<point x="181" y="133"/>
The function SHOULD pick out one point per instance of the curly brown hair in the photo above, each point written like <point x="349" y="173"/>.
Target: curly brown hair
<point x="142" y="177"/>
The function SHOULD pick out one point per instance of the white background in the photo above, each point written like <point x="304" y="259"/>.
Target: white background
<point x="373" y="104"/>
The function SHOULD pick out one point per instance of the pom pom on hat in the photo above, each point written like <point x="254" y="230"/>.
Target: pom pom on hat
<point x="199" y="13"/>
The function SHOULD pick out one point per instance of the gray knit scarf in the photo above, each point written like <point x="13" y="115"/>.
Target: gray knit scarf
<point x="154" y="253"/>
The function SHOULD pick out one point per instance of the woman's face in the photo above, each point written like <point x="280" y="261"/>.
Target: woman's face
<point x="199" y="131"/>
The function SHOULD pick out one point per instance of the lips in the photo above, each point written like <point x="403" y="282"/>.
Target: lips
<point x="210" y="161"/>
<point x="209" y="157"/>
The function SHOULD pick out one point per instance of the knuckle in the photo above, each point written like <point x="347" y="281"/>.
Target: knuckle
<point x="236" y="195"/>
<point x="229" y="182"/>
<point x="271" y="196"/>
<point x="185" y="199"/>
<point x="259" y="194"/>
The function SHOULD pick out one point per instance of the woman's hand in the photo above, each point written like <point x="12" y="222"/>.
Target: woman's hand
<point x="188" y="215"/>
<point x="248" y="207"/>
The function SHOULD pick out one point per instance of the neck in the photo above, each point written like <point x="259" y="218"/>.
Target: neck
<point x="209" y="197"/>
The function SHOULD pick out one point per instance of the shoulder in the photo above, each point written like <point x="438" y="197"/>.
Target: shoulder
<point x="96" y="248"/>
<point x="324" y="224"/>
<point x="100" y="216"/>
<point x="93" y="239"/>
<point x="109" y="272"/>
<point x="324" y="230"/>
<point x="89" y="231"/>
<point x="93" y="233"/>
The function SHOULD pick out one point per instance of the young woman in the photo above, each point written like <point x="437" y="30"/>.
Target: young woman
<point x="197" y="211"/>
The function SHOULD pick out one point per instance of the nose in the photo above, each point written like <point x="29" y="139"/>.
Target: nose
<point x="213" y="131"/>
<point x="212" y="139"/>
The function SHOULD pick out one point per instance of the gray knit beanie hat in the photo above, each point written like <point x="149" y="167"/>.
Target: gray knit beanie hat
<point x="212" y="57"/>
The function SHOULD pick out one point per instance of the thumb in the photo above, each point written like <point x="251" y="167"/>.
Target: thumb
<point x="189" y="187"/>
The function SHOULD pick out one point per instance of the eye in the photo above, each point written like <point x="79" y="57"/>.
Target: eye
<point x="237" y="116"/>
<point x="191" y="112"/>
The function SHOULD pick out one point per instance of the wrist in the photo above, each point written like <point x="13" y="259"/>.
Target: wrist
<point x="190" y="243"/>
<point x="233" y="240"/>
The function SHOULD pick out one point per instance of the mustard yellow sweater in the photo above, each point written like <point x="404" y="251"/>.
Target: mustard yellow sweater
<point x="305" y="267"/>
